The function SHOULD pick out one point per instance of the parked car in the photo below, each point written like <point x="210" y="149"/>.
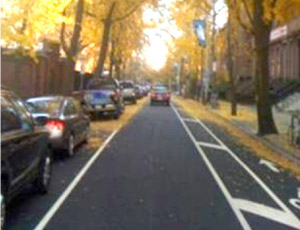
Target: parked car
<point x="25" y="154"/>
<point x="128" y="91"/>
<point x="139" y="92"/>
<point x="160" y="93"/>
<point x="64" y="119"/>
<point x="103" y="95"/>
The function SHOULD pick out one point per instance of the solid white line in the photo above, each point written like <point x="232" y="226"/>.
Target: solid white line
<point x="213" y="146"/>
<point x="42" y="224"/>
<point x="216" y="176"/>
<point x="252" y="174"/>
<point x="267" y="212"/>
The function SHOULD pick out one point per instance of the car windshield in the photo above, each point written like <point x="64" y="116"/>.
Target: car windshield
<point x="48" y="106"/>
<point x="127" y="85"/>
<point x="100" y="84"/>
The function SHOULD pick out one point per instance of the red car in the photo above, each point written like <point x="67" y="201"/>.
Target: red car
<point x="160" y="93"/>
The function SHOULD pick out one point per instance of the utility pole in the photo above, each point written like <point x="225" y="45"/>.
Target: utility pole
<point x="230" y="67"/>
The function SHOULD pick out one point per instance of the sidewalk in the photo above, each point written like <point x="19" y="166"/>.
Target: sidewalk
<point x="246" y="120"/>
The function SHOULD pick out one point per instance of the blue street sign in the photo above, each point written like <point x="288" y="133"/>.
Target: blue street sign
<point x="199" y="27"/>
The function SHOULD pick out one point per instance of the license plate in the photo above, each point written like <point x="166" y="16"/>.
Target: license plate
<point x="100" y="106"/>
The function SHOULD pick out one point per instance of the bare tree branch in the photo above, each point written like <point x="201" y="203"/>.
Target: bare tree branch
<point x="237" y="15"/>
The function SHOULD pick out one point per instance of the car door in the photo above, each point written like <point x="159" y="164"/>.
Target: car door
<point x="83" y="121"/>
<point x="18" y="141"/>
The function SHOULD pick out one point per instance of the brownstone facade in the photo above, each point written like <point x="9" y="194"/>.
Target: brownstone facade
<point x="285" y="52"/>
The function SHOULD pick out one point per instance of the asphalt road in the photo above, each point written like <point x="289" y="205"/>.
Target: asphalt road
<point x="165" y="170"/>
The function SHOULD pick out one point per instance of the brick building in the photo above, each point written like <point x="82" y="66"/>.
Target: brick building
<point x="285" y="52"/>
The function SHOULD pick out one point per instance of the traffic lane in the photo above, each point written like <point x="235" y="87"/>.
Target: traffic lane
<point x="284" y="184"/>
<point x="28" y="208"/>
<point x="248" y="193"/>
<point x="150" y="177"/>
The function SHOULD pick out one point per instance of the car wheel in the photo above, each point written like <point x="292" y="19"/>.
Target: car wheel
<point x="44" y="175"/>
<point x="3" y="211"/>
<point x="71" y="146"/>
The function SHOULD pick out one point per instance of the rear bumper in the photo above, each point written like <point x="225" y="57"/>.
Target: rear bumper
<point x="129" y="98"/>
<point x="160" y="99"/>
<point x="100" y="108"/>
<point x="58" y="143"/>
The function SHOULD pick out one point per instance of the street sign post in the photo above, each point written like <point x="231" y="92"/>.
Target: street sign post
<point x="199" y="28"/>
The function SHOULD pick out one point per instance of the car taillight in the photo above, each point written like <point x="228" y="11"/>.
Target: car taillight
<point x="116" y="95"/>
<point x="55" y="125"/>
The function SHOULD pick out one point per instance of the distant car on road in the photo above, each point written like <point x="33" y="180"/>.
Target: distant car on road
<point x="103" y="95"/>
<point x="25" y="154"/>
<point x="128" y="91"/>
<point x="161" y="94"/>
<point x="64" y="119"/>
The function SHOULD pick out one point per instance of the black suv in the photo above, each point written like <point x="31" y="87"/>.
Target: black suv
<point x="25" y="156"/>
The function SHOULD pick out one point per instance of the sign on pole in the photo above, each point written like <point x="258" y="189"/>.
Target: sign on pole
<point x="199" y="27"/>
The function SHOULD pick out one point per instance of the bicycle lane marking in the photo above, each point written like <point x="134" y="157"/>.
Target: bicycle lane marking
<point x="220" y="183"/>
<point x="284" y="216"/>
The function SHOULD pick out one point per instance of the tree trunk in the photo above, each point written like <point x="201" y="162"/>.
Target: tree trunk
<point x="77" y="29"/>
<point x="105" y="40"/>
<point x="118" y="69"/>
<point x="230" y="68"/>
<point x="262" y="29"/>
<point x="73" y="49"/>
<point x="112" y="59"/>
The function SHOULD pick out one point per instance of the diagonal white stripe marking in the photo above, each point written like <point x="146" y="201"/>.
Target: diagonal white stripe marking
<point x="267" y="212"/>
<point x="285" y="209"/>
<point x="209" y="145"/>
<point x="216" y="176"/>
<point x="189" y="120"/>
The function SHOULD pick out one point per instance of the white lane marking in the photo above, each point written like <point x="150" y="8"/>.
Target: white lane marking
<point x="189" y="120"/>
<point x="253" y="175"/>
<point x="216" y="176"/>
<point x="295" y="203"/>
<point x="267" y="212"/>
<point x="269" y="164"/>
<point x="45" y="220"/>
<point x="247" y="169"/>
<point x="209" y="145"/>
